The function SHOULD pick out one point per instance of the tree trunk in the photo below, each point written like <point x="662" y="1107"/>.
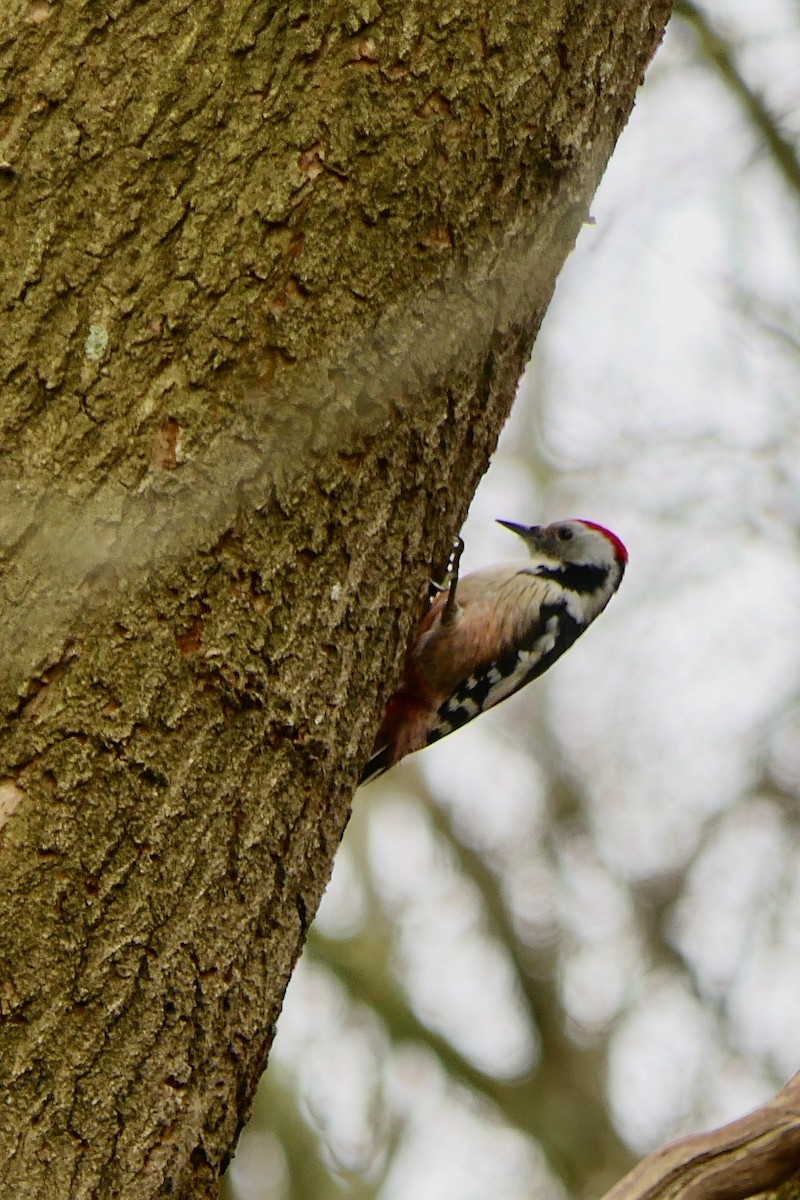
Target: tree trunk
<point x="270" y="275"/>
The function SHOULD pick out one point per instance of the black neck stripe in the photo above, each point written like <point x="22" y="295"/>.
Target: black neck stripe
<point x="576" y="577"/>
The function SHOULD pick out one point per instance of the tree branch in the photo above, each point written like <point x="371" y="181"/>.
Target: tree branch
<point x="755" y="1154"/>
<point x="717" y="50"/>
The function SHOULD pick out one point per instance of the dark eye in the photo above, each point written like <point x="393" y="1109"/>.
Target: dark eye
<point x="564" y="534"/>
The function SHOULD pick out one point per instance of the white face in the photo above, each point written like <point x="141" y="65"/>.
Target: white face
<point x="574" y="542"/>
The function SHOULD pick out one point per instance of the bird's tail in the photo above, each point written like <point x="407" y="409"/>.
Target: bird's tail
<point x="404" y="728"/>
<point x="379" y="762"/>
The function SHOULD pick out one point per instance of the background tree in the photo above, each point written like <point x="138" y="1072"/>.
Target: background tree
<point x="269" y="279"/>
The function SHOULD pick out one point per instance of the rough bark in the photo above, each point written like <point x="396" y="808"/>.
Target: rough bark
<point x="270" y="274"/>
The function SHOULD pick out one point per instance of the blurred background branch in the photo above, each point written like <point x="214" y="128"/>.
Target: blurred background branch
<point x="718" y="51"/>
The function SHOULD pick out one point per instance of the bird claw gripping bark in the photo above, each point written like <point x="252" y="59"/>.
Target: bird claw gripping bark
<point x="453" y="559"/>
<point x="450" y="609"/>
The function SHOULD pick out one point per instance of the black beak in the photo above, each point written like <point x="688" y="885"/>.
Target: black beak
<point x="524" y="531"/>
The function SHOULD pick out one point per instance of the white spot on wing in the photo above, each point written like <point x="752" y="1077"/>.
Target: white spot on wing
<point x="527" y="660"/>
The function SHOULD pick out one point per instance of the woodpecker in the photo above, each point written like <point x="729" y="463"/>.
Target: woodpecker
<point x="487" y="635"/>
